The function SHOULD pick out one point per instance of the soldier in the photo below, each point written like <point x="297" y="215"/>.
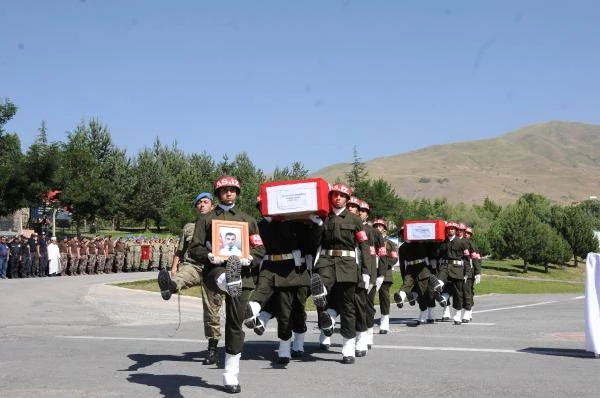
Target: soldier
<point x="15" y="247"/>
<point x="191" y="274"/>
<point x="473" y="276"/>
<point x="155" y="256"/>
<point x="31" y="264"/>
<point x="377" y="249"/>
<point x="235" y="277"/>
<point x="119" y="248"/>
<point x="100" y="255"/>
<point x="109" y="247"/>
<point x="73" y="256"/>
<point x="42" y="255"/>
<point x="137" y="255"/>
<point x="4" y="256"/>
<point x="338" y="271"/>
<point x="63" y="249"/>
<point x="129" y="254"/>
<point x="87" y="257"/>
<point x="383" y="284"/>
<point x="451" y="260"/>
<point x="284" y="275"/>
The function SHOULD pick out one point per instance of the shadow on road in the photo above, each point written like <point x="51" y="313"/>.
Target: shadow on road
<point x="145" y="360"/>
<point x="560" y="352"/>
<point x="170" y="385"/>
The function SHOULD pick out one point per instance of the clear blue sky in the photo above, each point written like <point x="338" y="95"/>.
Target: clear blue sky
<point x="298" y="80"/>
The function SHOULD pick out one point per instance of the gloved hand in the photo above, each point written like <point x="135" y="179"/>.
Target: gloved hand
<point x="215" y="259"/>
<point x="297" y="254"/>
<point x="379" y="282"/>
<point x="366" y="279"/>
<point x="209" y="245"/>
<point x="477" y="279"/>
<point x="316" y="219"/>
<point x="246" y="261"/>
<point x="309" y="261"/>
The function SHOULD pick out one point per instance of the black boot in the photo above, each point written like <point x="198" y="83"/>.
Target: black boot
<point x="166" y="284"/>
<point x="211" y="359"/>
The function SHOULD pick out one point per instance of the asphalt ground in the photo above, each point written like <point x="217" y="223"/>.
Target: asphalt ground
<point x="81" y="337"/>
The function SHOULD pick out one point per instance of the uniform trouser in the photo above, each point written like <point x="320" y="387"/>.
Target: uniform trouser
<point x="110" y="262"/>
<point x="3" y="266"/>
<point x="235" y="307"/>
<point x="154" y="263"/>
<point x="456" y="290"/>
<point x="384" y="298"/>
<point x="129" y="261"/>
<point x="73" y="265"/>
<point x="291" y="315"/>
<point x="341" y="298"/>
<point x="64" y="263"/>
<point x="100" y="263"/>
<point x="136" y="260"/>
<point x="360" y="308"/>
<point x="84" y="263"/>
<point x="32" y="266"/>
<point x="371" y="307"/>
<point x="468" y="292"/>
<point x="119" y="261"/>
<point x="212" y="300"/>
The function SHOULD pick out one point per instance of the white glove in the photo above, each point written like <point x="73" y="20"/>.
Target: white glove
<point x="309" y="261"/>
<point x="366" y="279"/>
<point x="316" y="219"/>
<point x="379" y="282"/>
<point x="297" y="257"/>
<point x="208" y="245"/>
<point x="246" y="261"/>
<point x="477" y="279"/>
<point x="215" y="259"/>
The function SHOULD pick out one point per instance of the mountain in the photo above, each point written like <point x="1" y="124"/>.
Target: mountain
<point x="560" y="160"/>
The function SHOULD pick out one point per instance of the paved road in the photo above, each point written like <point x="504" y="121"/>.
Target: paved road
<point x="80" y="337"/>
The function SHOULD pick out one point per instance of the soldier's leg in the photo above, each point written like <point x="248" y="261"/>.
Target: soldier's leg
<point x="468" y="300"/>
<point x="405" y="291"/>
<point x="299" y="320"/>
<point x="265" y="289"/>
<point x="424" y="294"/>
<point x="212" y="301"/>
<point x="457" y="299"/>
<point x="14" y="267"/>
<point x="234" y="338"/>
<point x="360" y="310"/>
<point x="285" y="298"/>
<point x="64" y="263"/>
<point x="188" y="275"/>
<point x="322" y="285"/>
<point x="345" y="302"/>
<point x="384" y="307"/>
<point x="44" y="265"/>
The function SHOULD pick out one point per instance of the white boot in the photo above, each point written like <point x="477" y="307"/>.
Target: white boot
<point x="232" y="370"/>
<point x="467" y="316"/>
<point x="369" y="338"/>
<point x="384" y="324"/>
<point x="298" y="345"/>
<point x="457" y="317"/>
<point x="361" y="344"/>
<point x="423" y="317"/>
<point x="284" y="351"/>
<point x="261" y="322"/>
<point x="324" y="341"/>
<point x="348" y="350"/>
<point x="430" y="316"/>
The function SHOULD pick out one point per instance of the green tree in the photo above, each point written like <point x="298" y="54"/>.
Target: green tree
<point x="12" y="176"/>
<point x="578" y="231"/>
<point x="7" y="111"/>
<point x="357" y="175"/>
<point x="296" y="172"/>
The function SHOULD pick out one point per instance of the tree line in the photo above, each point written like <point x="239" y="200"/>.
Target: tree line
<point x="99" y="183"/>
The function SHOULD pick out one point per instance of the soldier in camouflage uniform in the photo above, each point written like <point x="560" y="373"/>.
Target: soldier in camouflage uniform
<point x="164" y="260"/>
<point x="119" y="255"/>
<point x="63" y="249"/>
<point x="90" y="259"/>
<point x="155" y="254"/>
<point x="109" y="248"/>
<point x="73" y="256"/>
<point x="137" y="255"/>
<point x="100" y="255"/>
<point x="190" y="273"/>
<point x="129" y="254"/>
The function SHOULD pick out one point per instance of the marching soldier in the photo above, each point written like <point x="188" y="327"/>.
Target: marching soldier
<point x="284" y="276"/>
<point x="451" y="260"/>
<point x="235" y="278"/>
<point x="386" y="262"/>
<point x="473" y="276"/>
<point x="189" y="274"/>
<point x="337" y="272"/>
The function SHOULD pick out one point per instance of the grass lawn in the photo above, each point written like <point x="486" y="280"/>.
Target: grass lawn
<point x="503" y="277"/>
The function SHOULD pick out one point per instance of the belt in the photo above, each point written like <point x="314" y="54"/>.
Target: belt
<point x="279" y="257"/>
<point x="339" y="253"/>
<point x="456" y="262"/>
<point x="417" y="261"/>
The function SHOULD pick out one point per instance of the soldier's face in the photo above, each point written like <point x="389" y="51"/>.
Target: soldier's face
<point x="380" y="228"/>
<point x="363" y="214"/>
<point x="227" y="195"/>
<point x="353" y="209"/>
<point x="460" y="233"/>
<point x="204" y="206"/>
<point x="450" y="232"/>
<point x="338" y="200"/>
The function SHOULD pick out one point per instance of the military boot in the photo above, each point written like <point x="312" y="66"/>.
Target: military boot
<point x="211" y="359"/>
<point x="166" y="284"/>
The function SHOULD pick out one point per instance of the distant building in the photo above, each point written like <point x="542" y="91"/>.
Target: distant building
<point x="14" y="222"/>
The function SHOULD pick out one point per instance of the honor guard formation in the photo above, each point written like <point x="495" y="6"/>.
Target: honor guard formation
<point x="327" y="249"/>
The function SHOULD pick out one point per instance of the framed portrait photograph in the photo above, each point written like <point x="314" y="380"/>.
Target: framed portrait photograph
<point x="230" y="238"/>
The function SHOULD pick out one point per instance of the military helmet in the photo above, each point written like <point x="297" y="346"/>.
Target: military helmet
<point x="364" y="206"/>
<point x="341" y="188"/>
<point x="227" y="182"/>
<point x="354" y="201"/>
<point x="380" y="221"/>
<point x="469" y="230"/>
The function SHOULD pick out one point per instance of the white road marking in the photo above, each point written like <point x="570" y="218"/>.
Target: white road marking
<point x="513" y="307"/>
<point x="463" y="349"/>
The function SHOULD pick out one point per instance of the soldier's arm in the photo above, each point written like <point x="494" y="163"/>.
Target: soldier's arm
<point x="197" y="249"/>
<point x="362" y="241"/>
<point x="257" y="249"/>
